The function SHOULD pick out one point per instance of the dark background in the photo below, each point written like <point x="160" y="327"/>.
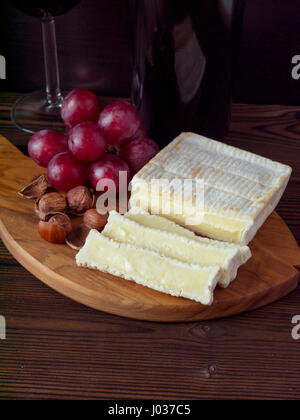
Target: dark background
<point x="94" y="49"/>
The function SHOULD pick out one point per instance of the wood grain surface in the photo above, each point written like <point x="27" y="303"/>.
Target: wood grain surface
<point x="268" y="276"/>
<point x="56" y="348"/>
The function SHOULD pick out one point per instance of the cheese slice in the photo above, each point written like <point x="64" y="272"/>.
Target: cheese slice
<point x="240" y="189"/>
<point x="175" y="246"/>
<point x="166" y="225"/>
<point x="148" y="268"/>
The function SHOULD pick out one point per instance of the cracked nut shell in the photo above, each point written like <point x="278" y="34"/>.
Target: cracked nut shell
<point x="76" y="239"/>
<point x="38" y="187"/>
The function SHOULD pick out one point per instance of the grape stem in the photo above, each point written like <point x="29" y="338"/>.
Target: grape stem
<point x="54" y="96"/>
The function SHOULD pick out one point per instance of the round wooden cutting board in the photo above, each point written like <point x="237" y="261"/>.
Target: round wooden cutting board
<point x="269" y="275"/>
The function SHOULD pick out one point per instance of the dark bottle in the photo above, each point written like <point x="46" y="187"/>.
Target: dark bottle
<point x="39" y="8"/>
<point x="183" y="59"/>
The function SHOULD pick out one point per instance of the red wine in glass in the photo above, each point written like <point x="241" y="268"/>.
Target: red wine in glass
<point x="42" y="109"/>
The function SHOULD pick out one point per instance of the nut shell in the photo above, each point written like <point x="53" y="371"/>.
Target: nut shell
<point x="76" y="239"/>
<point x="52" y="233"/>
<point x="38" y="186"/>
<point x="94" y="220"/>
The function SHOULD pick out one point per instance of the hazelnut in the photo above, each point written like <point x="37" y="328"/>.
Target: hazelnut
<point x="52" y="233"/>
<point x="80" y="199"/>
<point x="50" y="203"/>
<point x="95" y="220"/>
<point x="62" y="220"/>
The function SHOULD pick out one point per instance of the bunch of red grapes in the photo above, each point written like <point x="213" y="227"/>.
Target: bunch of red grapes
<point x="98" y="144"/>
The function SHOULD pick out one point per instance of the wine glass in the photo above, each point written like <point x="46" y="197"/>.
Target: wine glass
<point x="41" y="110"/>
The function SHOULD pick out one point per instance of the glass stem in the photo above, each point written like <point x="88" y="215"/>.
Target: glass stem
<point x="54" y="96"/>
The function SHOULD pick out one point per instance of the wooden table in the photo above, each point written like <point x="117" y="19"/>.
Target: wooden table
<point x="56" y="348"/>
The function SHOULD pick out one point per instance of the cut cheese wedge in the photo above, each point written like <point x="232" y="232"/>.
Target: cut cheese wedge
<point x="240" y="189"/>
<point x="158" y="222"/>
<point x="175" y="246"/>
<point x="149" y="269"/>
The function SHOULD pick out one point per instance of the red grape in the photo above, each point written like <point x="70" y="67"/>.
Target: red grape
<point x="87" y="142"/>
<point x="80" y="105"/>
<point x="141" y="132"/>
<point x="108" y="168"/>
<point x="138" y="153"/>
<point x="66" y="173"/>
<point x="45" y="144"/>
<point x="119" y="121"/>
